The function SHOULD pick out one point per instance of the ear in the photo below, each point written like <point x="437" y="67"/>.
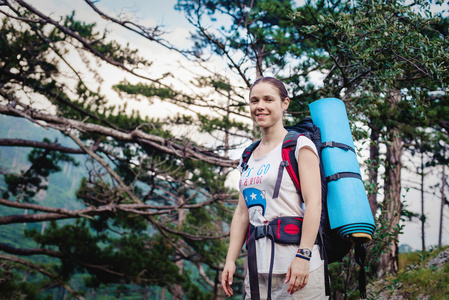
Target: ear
<point x="285" y="104"/>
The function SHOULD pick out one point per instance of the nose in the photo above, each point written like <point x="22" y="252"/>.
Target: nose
<point x="260" y="105"/>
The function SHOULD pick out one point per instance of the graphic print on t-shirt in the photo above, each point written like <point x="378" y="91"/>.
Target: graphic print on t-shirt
<point x="256" y="202"/>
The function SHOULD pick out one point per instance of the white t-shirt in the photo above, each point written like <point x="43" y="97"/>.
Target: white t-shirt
<point x="257" y="184"/>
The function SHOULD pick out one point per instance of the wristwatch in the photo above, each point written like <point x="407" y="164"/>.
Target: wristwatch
<point x="306" y="252"/>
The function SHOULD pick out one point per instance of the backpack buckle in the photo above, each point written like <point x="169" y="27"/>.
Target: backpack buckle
<point x="333" y="177"/>
<point x="328" y="144"/>
<point x="261" y="231"/>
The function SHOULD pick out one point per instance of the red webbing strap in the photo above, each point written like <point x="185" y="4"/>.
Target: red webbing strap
<point x="288" y="155"/>
<point x="278" y="233"/>
<point x="289" y="167"/>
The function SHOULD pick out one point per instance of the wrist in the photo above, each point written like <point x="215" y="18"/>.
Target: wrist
<point x="304" y="253"/>
<point x="302" y="257"/>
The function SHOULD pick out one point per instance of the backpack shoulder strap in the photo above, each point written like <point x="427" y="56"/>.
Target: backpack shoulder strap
<point x="289" y="161"/>
<point x="288" y="154"/>
<point x="247" y="154"/>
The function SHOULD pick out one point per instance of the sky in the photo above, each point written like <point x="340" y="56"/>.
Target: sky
<point x="162" y="13"/>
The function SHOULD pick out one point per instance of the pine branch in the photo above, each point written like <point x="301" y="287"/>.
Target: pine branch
<point x="87" y="45"/>
<point x="43" y="271"/>
<point x="152" y="34"/>
<point x="42" y="251"/>
<point x="136" y="136"/>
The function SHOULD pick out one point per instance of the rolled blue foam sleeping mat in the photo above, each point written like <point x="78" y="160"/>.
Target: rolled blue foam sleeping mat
<point x="347" y="202"/>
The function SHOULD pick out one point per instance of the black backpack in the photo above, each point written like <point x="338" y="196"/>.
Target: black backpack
<point x="333" y="246"/>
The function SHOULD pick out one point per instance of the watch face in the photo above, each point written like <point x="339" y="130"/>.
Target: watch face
<point x="306" y="252"/>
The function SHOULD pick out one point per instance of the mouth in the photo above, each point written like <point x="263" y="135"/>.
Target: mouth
<point x="261" y="115"/>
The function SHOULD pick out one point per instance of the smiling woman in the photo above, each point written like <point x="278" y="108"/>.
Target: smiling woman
<point x="295" y="270"/>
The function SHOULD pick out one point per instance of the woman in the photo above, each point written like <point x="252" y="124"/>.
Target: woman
<point x="298" y="269"/>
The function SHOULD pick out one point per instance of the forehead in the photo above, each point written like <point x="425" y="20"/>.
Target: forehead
<point x="264" y="89"/>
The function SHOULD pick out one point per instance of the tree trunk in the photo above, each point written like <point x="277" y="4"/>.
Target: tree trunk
<point x="423" y="218"/>
<point x="144" y="292"/>
<point x="259" y="62"/>
<point x="228" y="115"/>
<point x="443" y="201"/>
<point x="177" y="292"/>
<point x="392" y="202"/>
<point x="374" y="168"/>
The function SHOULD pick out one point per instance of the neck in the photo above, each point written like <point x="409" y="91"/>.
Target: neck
<point x="273" y="135"/>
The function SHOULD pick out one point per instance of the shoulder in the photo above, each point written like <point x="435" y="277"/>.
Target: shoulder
<point x="304" y="142"/>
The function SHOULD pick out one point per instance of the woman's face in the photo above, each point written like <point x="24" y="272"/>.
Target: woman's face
<point x="266" y="106"/>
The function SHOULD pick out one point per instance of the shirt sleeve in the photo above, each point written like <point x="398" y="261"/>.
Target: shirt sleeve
<point x="304" y="141"/>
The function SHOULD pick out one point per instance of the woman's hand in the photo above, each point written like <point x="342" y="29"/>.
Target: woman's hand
<point x="226" y="278"/>
<point x="238" y="232"/>
<point x="297" y="275"/>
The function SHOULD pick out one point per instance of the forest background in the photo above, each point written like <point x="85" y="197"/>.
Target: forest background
<point x="122" y="125"/>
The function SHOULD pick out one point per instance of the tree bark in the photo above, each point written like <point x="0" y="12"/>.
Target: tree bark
<point x="443" y="201"/>
<point x="392" y="202"/>
<point x="177" y="291"/>
<point x="40" y="145"/>
<point x="423" y="218"/>
<point x="374" y="168"/>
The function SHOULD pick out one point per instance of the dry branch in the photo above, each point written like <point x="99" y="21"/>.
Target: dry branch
<point x="152" y="34"/>
<point x="40" y="145"/>
<point x="136" y="136"/>
<point x="54" y="213"/>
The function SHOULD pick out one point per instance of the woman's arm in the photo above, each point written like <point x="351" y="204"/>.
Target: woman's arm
<point x="239" y="230"/>
<point x="310" y="181"/>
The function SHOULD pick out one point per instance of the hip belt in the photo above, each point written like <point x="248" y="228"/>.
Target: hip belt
<point x="283" y="230"/>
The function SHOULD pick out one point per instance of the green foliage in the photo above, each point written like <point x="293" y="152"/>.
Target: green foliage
<point x="37" y="51"/>
<point x="431" y="281"/>
<point x="415" y="280"/>
<point x="147" y="260"/>
<point x="260" y="33"/>
<point x="123" y="241"/>
<point x="375" y="47"/>
<point x="368" y="51"/>
<point x="111" y="49"/>
<point x="118" y="249"/>
<point x="147" y="90"/>
<point x="224" y="122"/>
<point x="28" y="183"/>
<point x="13" y="287"/>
